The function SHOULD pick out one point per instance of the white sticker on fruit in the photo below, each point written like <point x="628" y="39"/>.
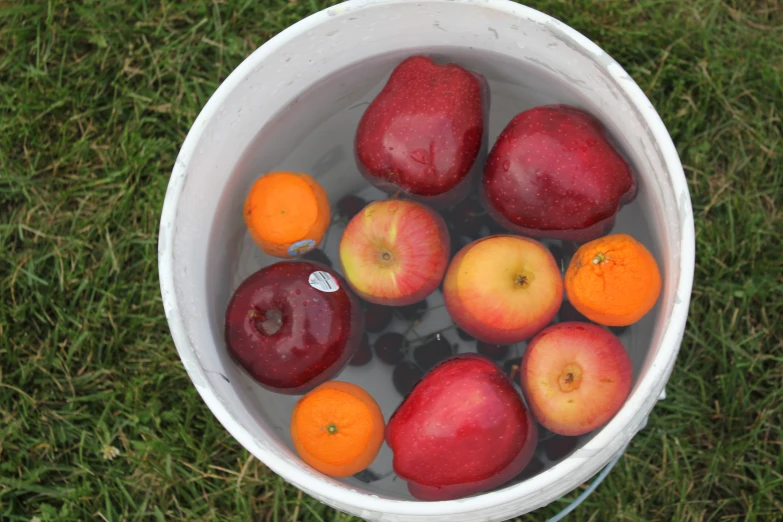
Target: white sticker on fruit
<point x="301" y="247"/>
<point x="324" y="281"/>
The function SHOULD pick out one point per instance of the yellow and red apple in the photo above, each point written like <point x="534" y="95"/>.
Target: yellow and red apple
<point x="395" y="252"/>
<point x="575" y="377"/>
<point x="503" y="289"/>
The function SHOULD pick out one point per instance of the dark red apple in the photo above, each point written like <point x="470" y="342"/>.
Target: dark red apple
<point x="425" y="132"/>
<point x="446" y="435"/>
<point x="293" y="325"/>
<point x="554" y="173"/>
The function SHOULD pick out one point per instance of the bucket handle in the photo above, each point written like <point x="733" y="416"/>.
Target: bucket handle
<point x="586" y="493"/>
<point x="600" y="478"/>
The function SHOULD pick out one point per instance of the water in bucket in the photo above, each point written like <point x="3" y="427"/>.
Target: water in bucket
<point x="317" y="138"/>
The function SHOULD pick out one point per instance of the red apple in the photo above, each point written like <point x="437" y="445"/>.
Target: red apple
<point x="424" y="133"/>
<point x="503" y="289"/>
<point x="575" y="376"/>
<point x="394" y="252"/>
<point x="463" y="429"/>
<point x="293" y="325"/>
<point x="554" y="173"/>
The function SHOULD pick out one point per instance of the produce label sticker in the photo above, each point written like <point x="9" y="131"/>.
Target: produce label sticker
<point x="301" y="247"/>
<point x="324" y="281"/>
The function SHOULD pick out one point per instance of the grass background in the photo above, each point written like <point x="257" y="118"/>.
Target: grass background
<point x="95" y="100"/>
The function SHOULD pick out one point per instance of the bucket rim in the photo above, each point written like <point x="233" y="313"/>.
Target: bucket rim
<point x="611" y="438"/>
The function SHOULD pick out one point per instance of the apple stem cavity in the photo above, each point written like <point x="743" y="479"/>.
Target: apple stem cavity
<point x="521" y="281"/>
<point x="386" y="258"/>
<point x="268" y="323"/>
<point x="570" y="378"/>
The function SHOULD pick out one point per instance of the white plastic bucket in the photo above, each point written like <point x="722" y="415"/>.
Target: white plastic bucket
<point x="294" y="104"/>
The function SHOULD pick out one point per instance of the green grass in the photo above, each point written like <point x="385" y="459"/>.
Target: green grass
<point x="95" y="100"/>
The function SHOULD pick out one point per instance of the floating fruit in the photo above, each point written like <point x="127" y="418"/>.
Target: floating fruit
<point x="287" y="213"/>
<point x="575" y="376"/>
<point x="613" y="280"/>
<point x="337" y="428"/>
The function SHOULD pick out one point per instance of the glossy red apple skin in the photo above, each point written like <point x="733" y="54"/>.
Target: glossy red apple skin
<point x="425" y="134"/>
<point x="554" y="173"/>
<point x="446" y="434"/>
<point x="319" y="331"/>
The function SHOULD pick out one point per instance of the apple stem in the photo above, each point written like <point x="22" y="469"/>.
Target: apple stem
<point x="513" y="372"/>
<point x="269" y="322"/>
